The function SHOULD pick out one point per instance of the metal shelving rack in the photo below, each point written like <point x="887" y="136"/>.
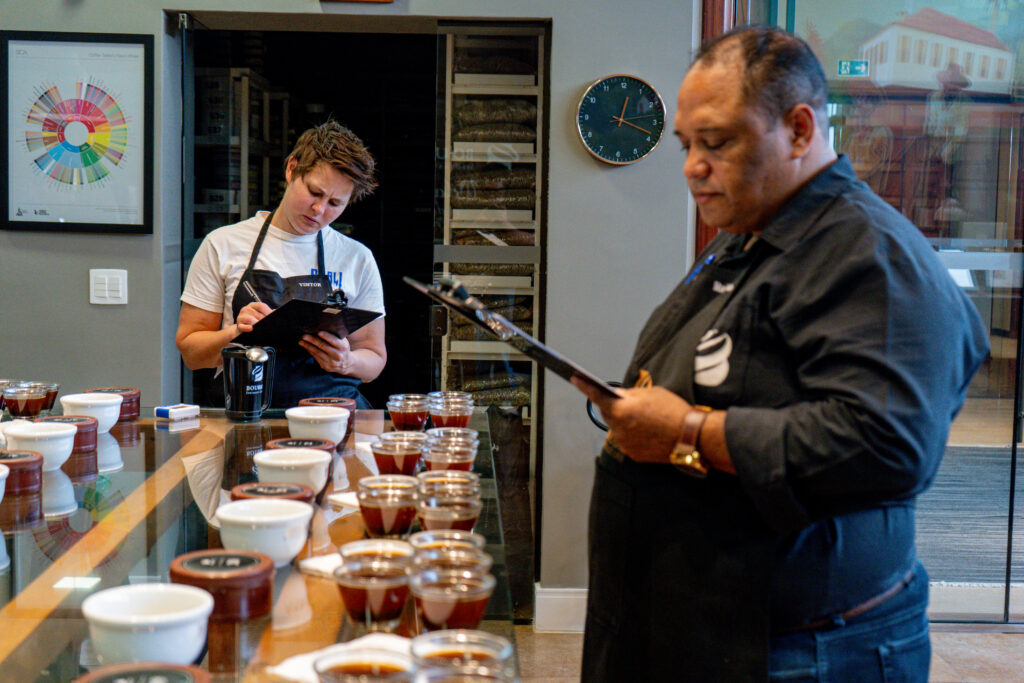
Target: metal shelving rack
<point x="493" y="220"/>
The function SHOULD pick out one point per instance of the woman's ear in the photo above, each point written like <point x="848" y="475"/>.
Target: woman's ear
<point x="289" y="169"/>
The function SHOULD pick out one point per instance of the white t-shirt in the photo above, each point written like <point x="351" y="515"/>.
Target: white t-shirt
<point x="224" y="253"/>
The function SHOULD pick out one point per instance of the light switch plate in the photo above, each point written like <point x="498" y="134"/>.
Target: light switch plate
<point x="108" y="286"/>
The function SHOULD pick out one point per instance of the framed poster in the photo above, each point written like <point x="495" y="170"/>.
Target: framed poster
<point x="77" y="121"/>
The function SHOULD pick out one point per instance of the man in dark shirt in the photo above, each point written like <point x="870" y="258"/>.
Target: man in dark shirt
<point x="773" y="533"/>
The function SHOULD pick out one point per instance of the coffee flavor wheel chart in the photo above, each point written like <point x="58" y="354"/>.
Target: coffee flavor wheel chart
<point x="76" y="141"/>
<point x="56" y="536"/>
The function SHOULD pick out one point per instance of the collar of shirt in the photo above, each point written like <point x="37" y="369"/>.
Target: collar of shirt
<point x="788" y="226"/>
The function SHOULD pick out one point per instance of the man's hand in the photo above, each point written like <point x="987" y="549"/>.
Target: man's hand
<point x="330" y="352"/>
<point x="644" y="422"/>
<point x="251" y="314"/>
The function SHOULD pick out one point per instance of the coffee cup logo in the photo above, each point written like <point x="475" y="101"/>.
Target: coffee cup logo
<point x="257" y="373"/>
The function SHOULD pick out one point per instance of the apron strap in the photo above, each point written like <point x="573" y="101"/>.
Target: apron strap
<point x="320" y="263"/>
<point x="320" y="252"/>
<point x="259" y="243"/>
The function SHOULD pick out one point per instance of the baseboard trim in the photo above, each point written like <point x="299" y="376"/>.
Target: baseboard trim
<point x="559" y="610"/>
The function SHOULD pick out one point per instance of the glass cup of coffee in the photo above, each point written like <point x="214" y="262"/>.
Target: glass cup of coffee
<point x="450" y="411"/>
<point x="433" y="482"/>
<point x="450" y="598"/>
<point x="452" y="558"/>
<point x="449" y="510"/>
<point x="376" y="547"/>
<point x="449" y="457"/>
<point x="398" y="452"/>
<point x="374" y="590"/>
<point x="461" y="673"/>
<point x="24" y="399"/>
<point x="450" y="396"/>
<point x="388" y="504"/>
<point x="51" y="389"/>
<point x="456" y="433"/>
<point x="446" y="538"/>
<point x="364" y="665"/>
<point x="460" y="648"/>
<point x="408" y="411"/>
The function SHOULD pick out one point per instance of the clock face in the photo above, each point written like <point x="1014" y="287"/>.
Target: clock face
<point x="620" y="119"/>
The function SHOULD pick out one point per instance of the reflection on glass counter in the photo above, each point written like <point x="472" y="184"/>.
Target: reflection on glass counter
<point x="152" y="495"/>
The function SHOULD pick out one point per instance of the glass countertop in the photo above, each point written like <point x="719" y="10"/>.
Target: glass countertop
<point x="146" y="496"/>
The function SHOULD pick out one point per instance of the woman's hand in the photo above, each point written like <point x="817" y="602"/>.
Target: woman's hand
<point x="251" y="314"/>
<point x="331" y="353"/>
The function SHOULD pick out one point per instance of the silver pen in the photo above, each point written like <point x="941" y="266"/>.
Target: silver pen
<point x="251" y="291"/>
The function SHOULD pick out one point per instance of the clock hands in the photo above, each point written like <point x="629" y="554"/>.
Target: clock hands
<point x="642" y="116"/>
<point x="623" y="112"/>
<point x="624" y="121"/>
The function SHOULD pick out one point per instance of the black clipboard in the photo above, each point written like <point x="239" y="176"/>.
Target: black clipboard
<point x="283" y="327"/>
<point x="453" y="296"/>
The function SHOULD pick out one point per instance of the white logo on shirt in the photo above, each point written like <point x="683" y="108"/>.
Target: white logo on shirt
<point x="711" y="365"/>
<point x="720" y="288"/>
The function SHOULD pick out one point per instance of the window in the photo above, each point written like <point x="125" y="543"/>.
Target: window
<point x="952" y="56"/>
<point x="1000" y="69"/>
<point x="922" y="50"/>
<point x="936" y="54"/>
<point x="904" y="49"/>
<point x="983" y="73"/>
<point x="968" y="63"/>
<point x="883" y="56"/>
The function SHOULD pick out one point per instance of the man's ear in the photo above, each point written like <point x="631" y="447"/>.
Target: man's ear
<point x="803" y="126"/>
<point x="289" y="169"/>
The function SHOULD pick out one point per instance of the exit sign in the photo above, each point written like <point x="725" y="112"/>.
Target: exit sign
<point x="853" y="67"/>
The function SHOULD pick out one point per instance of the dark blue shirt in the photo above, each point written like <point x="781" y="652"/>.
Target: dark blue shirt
<point x="842" y="352"/>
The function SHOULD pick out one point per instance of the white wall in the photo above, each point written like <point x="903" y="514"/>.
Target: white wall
<point x="616" y="236"/>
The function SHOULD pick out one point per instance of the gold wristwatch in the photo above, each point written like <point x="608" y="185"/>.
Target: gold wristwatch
<point x="685" y="455"/>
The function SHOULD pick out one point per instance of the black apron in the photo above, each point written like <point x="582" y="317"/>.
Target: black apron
<point x="679" y="566"/>
<point x="297" y="375"/>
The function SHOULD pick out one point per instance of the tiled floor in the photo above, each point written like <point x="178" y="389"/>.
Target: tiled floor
<point x="957" y="657"/>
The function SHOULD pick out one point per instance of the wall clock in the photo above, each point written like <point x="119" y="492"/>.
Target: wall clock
<point x="620" y="119"/>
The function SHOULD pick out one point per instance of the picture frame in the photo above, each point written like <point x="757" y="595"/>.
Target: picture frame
<point x="76" y="111"/>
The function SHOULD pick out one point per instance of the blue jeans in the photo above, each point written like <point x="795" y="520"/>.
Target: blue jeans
<point x="888" y="644"/>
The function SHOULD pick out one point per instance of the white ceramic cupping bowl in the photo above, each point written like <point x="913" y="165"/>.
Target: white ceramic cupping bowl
<point x="318" y="422"/>
<point x="275" y="527"/>
<point x="306" y="466"/>
<point x="163" y="622"/>
<point x="106" y="408"/>
<point x="52" y="439"/>
<point x="4" y="471"/>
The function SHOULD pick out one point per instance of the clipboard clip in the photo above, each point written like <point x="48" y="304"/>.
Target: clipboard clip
<point x="336" y="298"/>
<point x="458" y="291"/>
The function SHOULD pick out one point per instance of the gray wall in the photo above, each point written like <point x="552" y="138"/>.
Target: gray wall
<point x="617" y="237"/>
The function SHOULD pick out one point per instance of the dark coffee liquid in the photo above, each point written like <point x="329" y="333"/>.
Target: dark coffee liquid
<point x="464" y="656"/>
<point x="388" y="519"/>
<point x="51" y="398"/>
<point x="448" y="465"/>
<point x="25" y="406"/>
<point x="464" y="518"/>
<point x="411" y="421"/>
<point x="438" y="614"/>
<point x="365" y="669"/>
<point x="449" y="420"/>
<point x="374" y="603"/>
<point x="397" y="463"/>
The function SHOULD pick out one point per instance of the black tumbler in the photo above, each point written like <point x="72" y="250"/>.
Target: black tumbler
<point x="248" y="381"/>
